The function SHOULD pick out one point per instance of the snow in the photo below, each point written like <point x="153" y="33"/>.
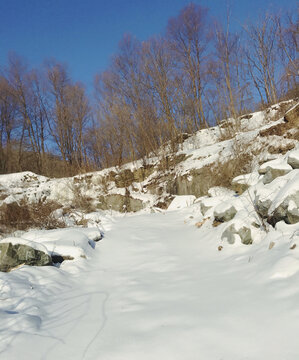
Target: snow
<point x="247" y="179"/>
<point x="71" y="242"/>
<point x="180" y="202"/>
<point x="22" y="241"/>
<point x="156" y="288"/>
<point x="277" y="164"/>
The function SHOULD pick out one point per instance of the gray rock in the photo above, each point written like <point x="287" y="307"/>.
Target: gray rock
<point x="262" y="207"/>
<point x="243" y="232"/>
<point x="272" y="173"/>
<point x="225" y="215"/>
<point x="287" y="211"/>
<point x="293" y="159"/>
<point x="121" y="203"/>
<point x="17" y="254"/>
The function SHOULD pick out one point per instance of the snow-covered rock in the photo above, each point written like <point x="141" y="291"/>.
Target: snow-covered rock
<point x="15" y="252"/>
<point x="237" y="231"/>
<point x="210" y="202"/>
<point x="293" y="159"/>
<point x="279" y="200"/>
<point x="273" y="169"/>
<point x="242" y="182"/>
<point x="69" y="243"/>
<point x="224" y="212"/>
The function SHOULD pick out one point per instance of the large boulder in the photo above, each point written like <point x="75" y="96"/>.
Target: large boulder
<point x="14" y="254"/>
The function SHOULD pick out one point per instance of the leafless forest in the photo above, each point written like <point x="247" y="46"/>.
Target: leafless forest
<point x="195" y="74"/>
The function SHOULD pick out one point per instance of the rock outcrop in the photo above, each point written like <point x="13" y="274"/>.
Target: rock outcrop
<point x="13" y="255"/>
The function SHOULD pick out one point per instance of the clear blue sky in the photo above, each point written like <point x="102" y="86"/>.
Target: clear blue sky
<point x="85" y="33"/>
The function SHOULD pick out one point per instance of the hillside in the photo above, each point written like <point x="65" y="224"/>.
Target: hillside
<point x="191" y="253"/>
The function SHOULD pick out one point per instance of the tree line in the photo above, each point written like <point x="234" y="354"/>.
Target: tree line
<point x="192" y="76"/>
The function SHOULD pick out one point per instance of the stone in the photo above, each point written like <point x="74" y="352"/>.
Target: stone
<point x="293" y="159"/>
<point x="224" y="212"/>
<point x="13" y="255"/>
<point x="234" y="232"/>
<point x="287" y="211"/>
<point x="121" y="203"/>
<point x="273" y="169"/>
<point x="272" y="174"/>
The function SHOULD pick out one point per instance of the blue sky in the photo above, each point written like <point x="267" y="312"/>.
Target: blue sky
<point x="85" y="33"/>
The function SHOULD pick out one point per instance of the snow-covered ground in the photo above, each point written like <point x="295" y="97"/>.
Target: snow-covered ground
<point x="156" y="287"/>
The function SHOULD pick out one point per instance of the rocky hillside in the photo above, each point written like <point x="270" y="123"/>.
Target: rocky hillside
<point x="239" y="179"/>
<point x="210" y="158"/>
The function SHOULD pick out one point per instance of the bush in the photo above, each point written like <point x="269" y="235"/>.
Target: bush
<point x="82" y="201"/>
<point x="24" y="215"/>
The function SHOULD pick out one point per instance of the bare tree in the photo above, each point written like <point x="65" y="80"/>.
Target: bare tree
<point x="262" y="56"/>
<point x="288" y="32"/>
<point x="69" y="116"/>
<point x="8" y="109"/>
<point x="188" y="37"/>
<point x="26" y="88"/>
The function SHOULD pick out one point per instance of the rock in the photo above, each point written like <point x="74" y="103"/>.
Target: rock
<point x="237" y="231"/>
<point x="242" y="182"/>
<point x="287" y="211"/>
<point x="271" y="245"/>
<point x="292" y="212"/>
<point x="262" y="206"/>
<point x="224" y="212"/>
<point x="211" y="202"/>
<point x="279" y="201"/>
<point x="12" y="255"/>
<point x="273" y="169"/>
<point x="293" y="159"/>
<point x="121" y="203"/>
<point x="272" y="174"/>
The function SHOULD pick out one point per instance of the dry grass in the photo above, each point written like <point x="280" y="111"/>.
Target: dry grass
<point x="81" y="201"/>
<point x="24" y="215"/>
<point x="222" y="173"/>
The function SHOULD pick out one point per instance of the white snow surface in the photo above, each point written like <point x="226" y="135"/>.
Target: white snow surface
<point x="156" y="287"/>
<point x="182" y="201"/>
